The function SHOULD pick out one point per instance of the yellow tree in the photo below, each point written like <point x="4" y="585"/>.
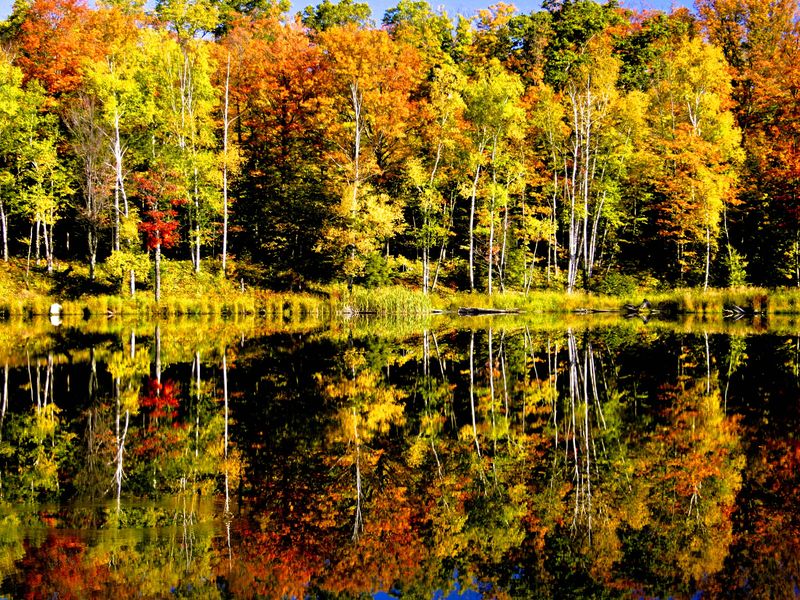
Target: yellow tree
<point x="494" y="118"/>
<point x="698" y="145"/>
<point x="437" y="139"/>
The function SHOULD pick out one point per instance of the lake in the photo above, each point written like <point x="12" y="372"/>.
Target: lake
<point x="450" y="457"/>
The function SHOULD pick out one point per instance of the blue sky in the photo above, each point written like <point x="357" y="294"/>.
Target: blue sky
<point x="465" y="7"/>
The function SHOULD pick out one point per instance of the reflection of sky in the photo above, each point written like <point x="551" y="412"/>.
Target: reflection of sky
<point x="455" y="594"/>
<point x="465" y="7"/>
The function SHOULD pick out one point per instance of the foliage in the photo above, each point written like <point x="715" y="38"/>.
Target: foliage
<point x="503" y="152"/>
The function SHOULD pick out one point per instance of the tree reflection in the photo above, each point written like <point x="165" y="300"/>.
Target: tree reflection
<point x="545" y="461"/>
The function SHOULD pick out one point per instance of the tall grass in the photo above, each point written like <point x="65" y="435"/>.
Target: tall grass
<point x="533" y="302"/>
<point x="390" y="300"/>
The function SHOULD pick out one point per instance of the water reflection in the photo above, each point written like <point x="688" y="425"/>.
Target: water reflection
<point x="529" y="458"/>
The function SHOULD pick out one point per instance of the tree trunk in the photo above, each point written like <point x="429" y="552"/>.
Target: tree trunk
<point x="708" y="257"/>
<point x="472" y="228"/>
<point x="491" y="211"/>
<point x="158" y="273"/>
<point x="48" y="247"/>
<point x="92" y="239"/>
<point x="225" y="170"/>
<point x="4" y="224"/>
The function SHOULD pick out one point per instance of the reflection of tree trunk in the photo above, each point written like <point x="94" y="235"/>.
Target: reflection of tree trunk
<point x="472" y="389"/>
<point x="426" y="355"/>
<point x="358" y="525"/>
<point x="225" y="399"/>
<point x="228" y="516"/>
<point x="50" y="380"/>
<point x="197" y="385"/>
<point x="582" y="446"/>
<point x="118" y="475"/>
<point x="5" y="395"/>
<point x="30" y="375"/>
<point x="502" y="354"/>
<point x="93" y="385"/>
<point x="4" y="228"/>
<point x="158" y="354"/>
<point x="438" y="355"/>
<point x="708" y="364"/>
<point x="491" y="399"/>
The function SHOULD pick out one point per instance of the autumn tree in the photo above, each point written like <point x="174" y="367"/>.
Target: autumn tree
<point x="88" y="138"/>
<point x="698" y="145"/>
<point x="494" y="116"/>
<point x="373" y="79"/>
<point x="278" y="100"/>
<point x="759" y="42"/>
<point x="56" y="42"/>
<point x="185" y="100"/>
<point x="160" y="195"/>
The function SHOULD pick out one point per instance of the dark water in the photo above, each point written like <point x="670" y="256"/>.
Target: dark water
<point x="475" y="458"/>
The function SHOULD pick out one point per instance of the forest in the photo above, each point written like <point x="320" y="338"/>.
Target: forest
<point x="584" y="146"/>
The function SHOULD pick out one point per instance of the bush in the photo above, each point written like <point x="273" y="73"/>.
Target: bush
<point x="616" y="284"/>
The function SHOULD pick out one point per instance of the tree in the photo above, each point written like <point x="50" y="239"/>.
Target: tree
<point x="42" y="179"/>
<point x="698" y="144"/>
<point x="429" y="174"/>
<point x="373" y="82"/>
<point x="88" y="138"/>
<point x="160" y="195"/>
<point x="494" y="116"/>
<point x="13" y="101"/>
<point x="759" y="42"/>
<point x="113" y="83"/>
<point x="327" y="15"/>
<point x="184" y="101"/>
<point x="279" y="112"/>
<point x="56" y="43"/>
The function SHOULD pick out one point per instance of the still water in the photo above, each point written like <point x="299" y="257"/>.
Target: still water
<point x="448" y="458"/>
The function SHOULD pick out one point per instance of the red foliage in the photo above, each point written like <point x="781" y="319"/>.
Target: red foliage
<point x="61" y="568"/>
<point x="159" y="225"/>
<point x="161" y="398"/>
<point x="163" y="433"/>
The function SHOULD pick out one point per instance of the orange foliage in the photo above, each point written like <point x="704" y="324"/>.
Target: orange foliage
<point x="57" y="40"/>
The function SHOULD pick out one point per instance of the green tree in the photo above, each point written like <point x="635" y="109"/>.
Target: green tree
<point x="327" y="15"/>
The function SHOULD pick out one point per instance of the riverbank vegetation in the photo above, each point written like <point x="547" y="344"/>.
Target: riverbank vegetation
<point x="32" y="292"/>
<point x="200" y="151"/>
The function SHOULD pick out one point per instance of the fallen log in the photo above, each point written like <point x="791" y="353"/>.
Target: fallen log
<point x="736" y="312"/>
<point x="471" y="311"/>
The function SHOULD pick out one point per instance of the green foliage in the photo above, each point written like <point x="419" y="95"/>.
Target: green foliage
<point x="326" y="14"/>
<point x="616" y="284"/>
<point x="734" y="265"/>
